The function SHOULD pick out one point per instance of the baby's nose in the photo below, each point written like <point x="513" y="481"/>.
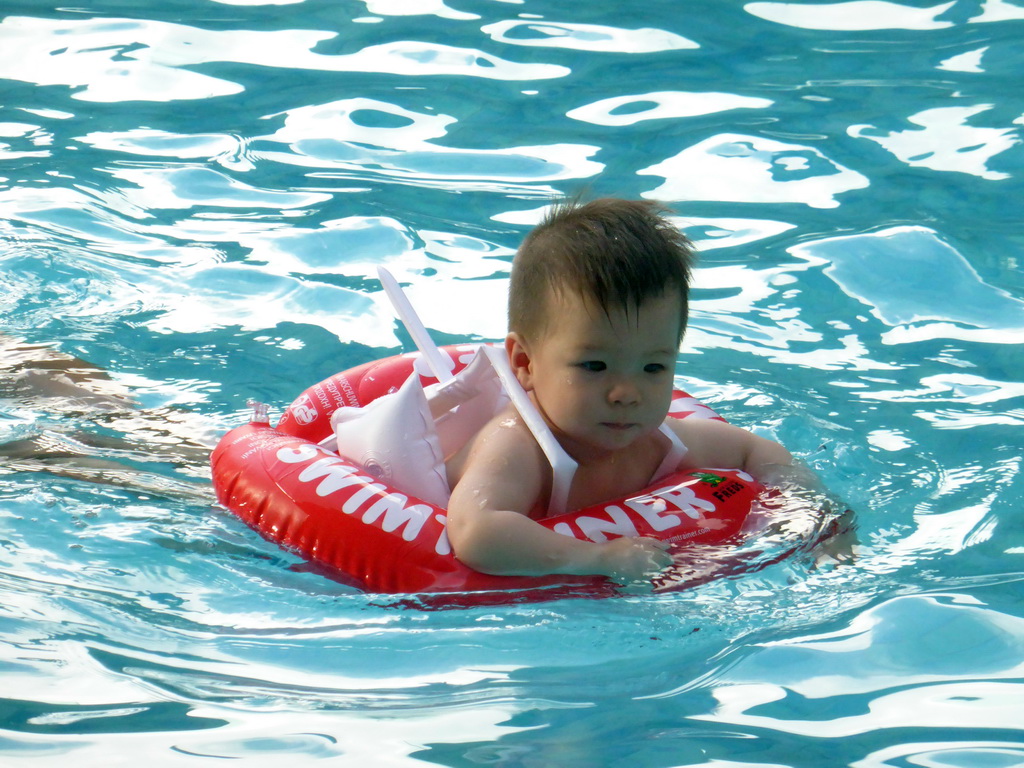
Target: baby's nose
<point x="624" y="392"/>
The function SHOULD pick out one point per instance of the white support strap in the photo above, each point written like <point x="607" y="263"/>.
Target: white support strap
<point x="563" y="467"/>
<point x="440" y="365"/>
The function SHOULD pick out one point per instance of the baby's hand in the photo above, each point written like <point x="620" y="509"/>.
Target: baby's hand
<point x="631" y="559"/>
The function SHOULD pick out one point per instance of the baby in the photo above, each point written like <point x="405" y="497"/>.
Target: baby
<point x="598" y="304"/>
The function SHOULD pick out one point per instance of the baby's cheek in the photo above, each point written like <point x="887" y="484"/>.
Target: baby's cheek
<point x="663" y="398"/>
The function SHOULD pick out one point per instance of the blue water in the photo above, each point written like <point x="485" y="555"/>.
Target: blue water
<point x="194" y="197"/>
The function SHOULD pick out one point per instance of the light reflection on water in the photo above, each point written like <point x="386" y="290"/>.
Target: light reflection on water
<point x="747" y="169"/>
<point x="150" y="58"/>
<point x="967" y="659"/>
<point x="198" y="201"/>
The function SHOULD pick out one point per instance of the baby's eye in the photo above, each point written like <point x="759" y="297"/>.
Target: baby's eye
<point x="654" y="368"/>
<point x="594" y="366"/>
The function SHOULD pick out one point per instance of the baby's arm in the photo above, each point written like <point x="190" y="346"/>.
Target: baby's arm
<point x="489" y="529"/>
<point x="713" y="443"/>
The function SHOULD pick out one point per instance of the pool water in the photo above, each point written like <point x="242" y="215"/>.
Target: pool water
<point x="194" y="198"/>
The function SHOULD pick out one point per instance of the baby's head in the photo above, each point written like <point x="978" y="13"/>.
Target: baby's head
<point x="614" y="254"/>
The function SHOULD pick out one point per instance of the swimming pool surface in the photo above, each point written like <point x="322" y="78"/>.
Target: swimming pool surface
<point x="195" y="196"/>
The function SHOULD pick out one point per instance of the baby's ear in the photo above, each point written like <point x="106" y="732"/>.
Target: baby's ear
<point x="519" y="359"/>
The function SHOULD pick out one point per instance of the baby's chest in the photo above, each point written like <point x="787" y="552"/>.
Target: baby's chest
<point x="614" y="480"/>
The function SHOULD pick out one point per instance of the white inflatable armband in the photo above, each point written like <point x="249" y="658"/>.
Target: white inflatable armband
<point x="463" y="405"/>
<point x="394" y="440"/>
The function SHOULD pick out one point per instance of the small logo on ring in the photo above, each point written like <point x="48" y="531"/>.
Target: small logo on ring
<point x="304" y="411"/>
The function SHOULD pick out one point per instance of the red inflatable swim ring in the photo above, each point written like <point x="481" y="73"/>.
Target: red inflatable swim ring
<point x="379" y="539"/>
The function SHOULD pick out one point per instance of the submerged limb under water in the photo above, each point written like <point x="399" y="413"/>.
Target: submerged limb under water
<point x="796" y="518"/>
<point x="86" y="425"/>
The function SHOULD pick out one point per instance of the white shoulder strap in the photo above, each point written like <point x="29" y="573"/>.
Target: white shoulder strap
<point x="675" y="454"/>
<point x="563" y="467"/>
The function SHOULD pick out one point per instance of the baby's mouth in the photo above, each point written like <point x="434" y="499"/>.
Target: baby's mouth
<point x="618" y="425"/>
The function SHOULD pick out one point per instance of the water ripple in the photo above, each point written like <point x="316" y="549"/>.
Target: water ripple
<point x="110" y="59"/>
<point x="945" y="141"/>
<point x="855" y="15"/>
<point x="586" y="37"/>
<point x="662" y="105"/>
<point x="738" y="168"/>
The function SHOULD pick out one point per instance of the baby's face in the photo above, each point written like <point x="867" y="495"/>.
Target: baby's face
<point x="603" y="380"/>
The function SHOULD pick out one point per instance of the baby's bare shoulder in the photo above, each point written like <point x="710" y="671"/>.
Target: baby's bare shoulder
<point x="710" y="442"/>
<point x="504" y="451"/>
<point x="507" y="436"/>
